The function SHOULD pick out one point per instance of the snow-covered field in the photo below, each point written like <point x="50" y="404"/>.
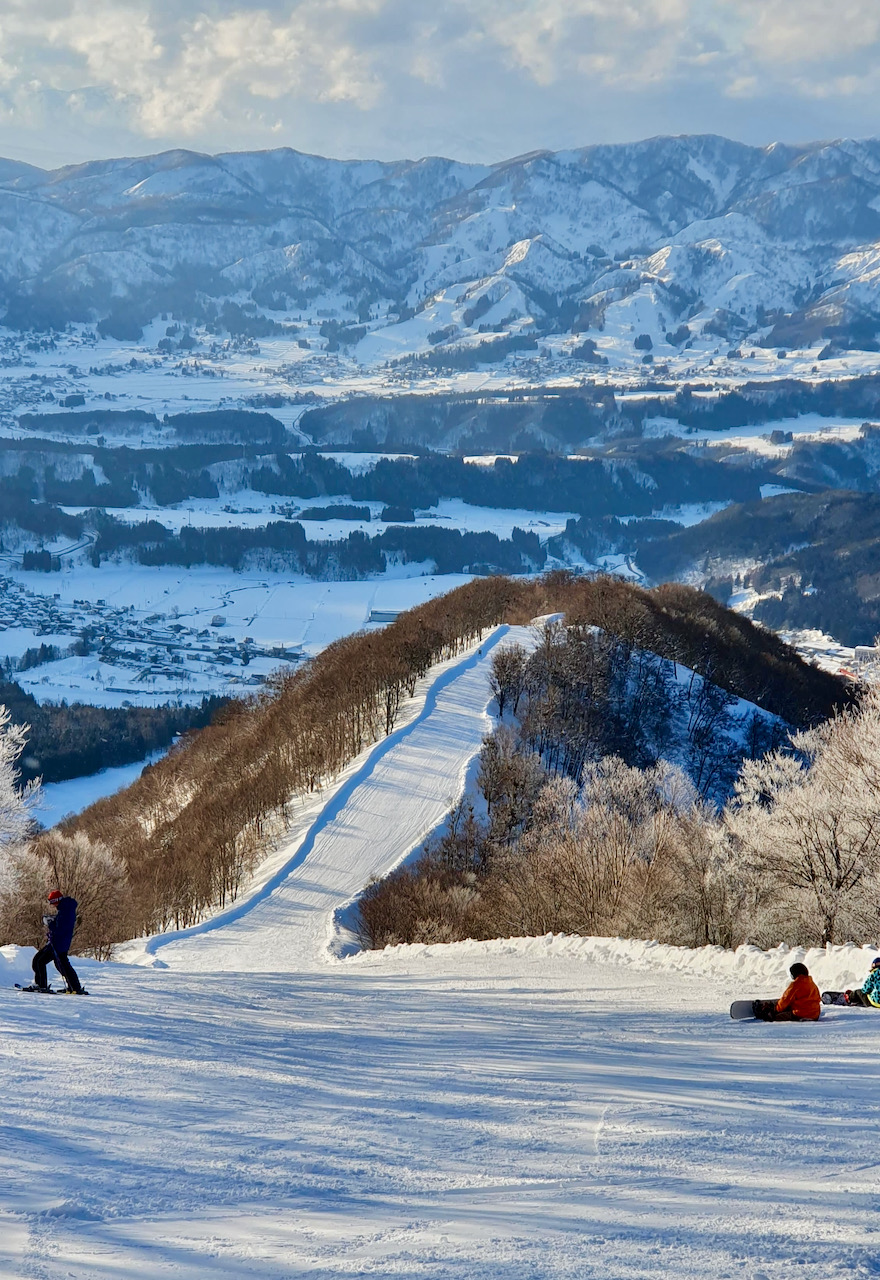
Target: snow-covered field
<point x="251" y="1101"/>
<point x="255" y="510"/>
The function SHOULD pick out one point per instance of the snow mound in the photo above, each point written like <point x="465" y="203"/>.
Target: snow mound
<point x="833" y="967"/>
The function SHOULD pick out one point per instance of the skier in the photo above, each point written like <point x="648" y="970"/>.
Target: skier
<point x="868" y="994"/>
<point x="799" y="1002"/>
<point x="59" y="929"/>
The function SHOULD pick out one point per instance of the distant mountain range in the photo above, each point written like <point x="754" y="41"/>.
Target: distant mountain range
<point x="668" y="236"/>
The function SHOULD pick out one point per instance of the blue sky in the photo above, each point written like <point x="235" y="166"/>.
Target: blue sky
<point x="474" y="79"/>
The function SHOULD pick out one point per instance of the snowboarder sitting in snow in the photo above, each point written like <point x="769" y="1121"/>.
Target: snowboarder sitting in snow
<point x="799" y="1002"/>
<point x="868" y="993"/>
<point x="59" y="929"/>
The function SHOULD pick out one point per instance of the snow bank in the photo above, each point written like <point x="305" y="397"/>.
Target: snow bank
<point x="15" y="965"/>
<point x="833" y="967"/>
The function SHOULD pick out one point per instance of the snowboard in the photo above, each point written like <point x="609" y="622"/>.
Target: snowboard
<point x="834" y="997"/>
<point x="742" y="1009"/>
<point x="50" y="991"/>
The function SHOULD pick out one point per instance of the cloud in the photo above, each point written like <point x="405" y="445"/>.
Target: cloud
<point x="392" y="77"/>
<point x="785" y="33"/>
<point x="618" y="41"/>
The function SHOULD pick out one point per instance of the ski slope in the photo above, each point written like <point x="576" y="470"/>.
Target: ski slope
<point x="382" y="808"/>
<point x="252" y="1099"/>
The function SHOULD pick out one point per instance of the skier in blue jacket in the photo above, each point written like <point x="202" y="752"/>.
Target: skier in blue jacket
<point x="59" y="929"/>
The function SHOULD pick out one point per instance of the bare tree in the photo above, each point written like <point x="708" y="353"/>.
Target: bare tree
<point x="510" y="780"/>
<point x="508" y="676"/>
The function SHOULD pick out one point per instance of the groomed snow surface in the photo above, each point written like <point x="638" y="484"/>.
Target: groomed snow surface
<point x="252" y="1099"/>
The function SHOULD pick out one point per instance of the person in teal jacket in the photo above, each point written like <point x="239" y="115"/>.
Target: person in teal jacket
<point x="868" y="993"/>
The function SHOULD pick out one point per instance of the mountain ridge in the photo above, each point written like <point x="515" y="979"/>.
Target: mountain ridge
<point x="651" y="234"/>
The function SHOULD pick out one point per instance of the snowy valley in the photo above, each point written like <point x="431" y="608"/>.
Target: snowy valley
<point x="694" y="319"/>
<point x="366" y="504"/>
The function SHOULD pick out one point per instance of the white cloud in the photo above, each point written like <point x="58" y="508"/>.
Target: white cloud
<point x="798" y="32"/>
<point x="389" y="77"/>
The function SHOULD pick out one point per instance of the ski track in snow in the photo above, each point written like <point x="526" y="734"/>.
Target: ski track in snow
<point x="240" y="1101"/>
<point x="393" y="799"/>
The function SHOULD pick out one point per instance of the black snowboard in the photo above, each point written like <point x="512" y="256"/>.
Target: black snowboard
<point x="49" y="991"/>
<point x="834" y="997"/>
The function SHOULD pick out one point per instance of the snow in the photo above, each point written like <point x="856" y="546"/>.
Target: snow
<point x="207" y="513"/>
<point x="119" y="375"/>
<point x="688" y="513"/>
<point x="383" y="807"/>
<point x="14" y="641"/>
<point x="60" y="799"/>
<point x="808" y="427"/>
<point x="774" y="490"/>
<point x="470" y="518"/>
<point x="244" y="1101"/>
<point x="489" y="459"/>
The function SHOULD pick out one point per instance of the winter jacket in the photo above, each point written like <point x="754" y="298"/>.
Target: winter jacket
<point x="62" y="926"/>
<point x="801" y="998"/>
<point x="871" y="987"/>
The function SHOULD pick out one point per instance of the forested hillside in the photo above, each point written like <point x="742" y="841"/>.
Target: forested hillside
<point x="615" y="799"/>
<point x="741" y="243"/>
<point x="77" y="739"/>
<point x="814" y="556"/>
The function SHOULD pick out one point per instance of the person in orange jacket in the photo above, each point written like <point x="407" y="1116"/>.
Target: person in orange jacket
<point x="799" y="1002"/>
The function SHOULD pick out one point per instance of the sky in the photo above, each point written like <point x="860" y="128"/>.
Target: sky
<point x="478" y="80"/>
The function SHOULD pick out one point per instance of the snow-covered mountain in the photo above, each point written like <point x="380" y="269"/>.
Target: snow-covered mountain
<point x="647" y="237"/>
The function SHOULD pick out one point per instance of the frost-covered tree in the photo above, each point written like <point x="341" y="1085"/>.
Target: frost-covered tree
<point x="16" y="816"/>
<point x="82" y="868"/>
<point x="90" y="872"/>
<point x="809" y="823"/>
<point x="587" y="861"/>
<point x="507" y="679"/>
<point x="510" y="779"/>
<point x="16" y="803"/>
<point x="29" y="864"/>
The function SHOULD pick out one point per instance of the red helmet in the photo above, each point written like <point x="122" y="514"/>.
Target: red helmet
<point x="56" y="895"/>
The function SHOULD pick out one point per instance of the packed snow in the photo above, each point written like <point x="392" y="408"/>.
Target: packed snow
<point x="257" y="1098"/>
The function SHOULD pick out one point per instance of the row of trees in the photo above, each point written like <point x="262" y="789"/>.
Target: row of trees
<point x="761" y="402"/>
<point x="285" y="545"/>
<point x="536" y="481"/>
<point x="689" y="627"/>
